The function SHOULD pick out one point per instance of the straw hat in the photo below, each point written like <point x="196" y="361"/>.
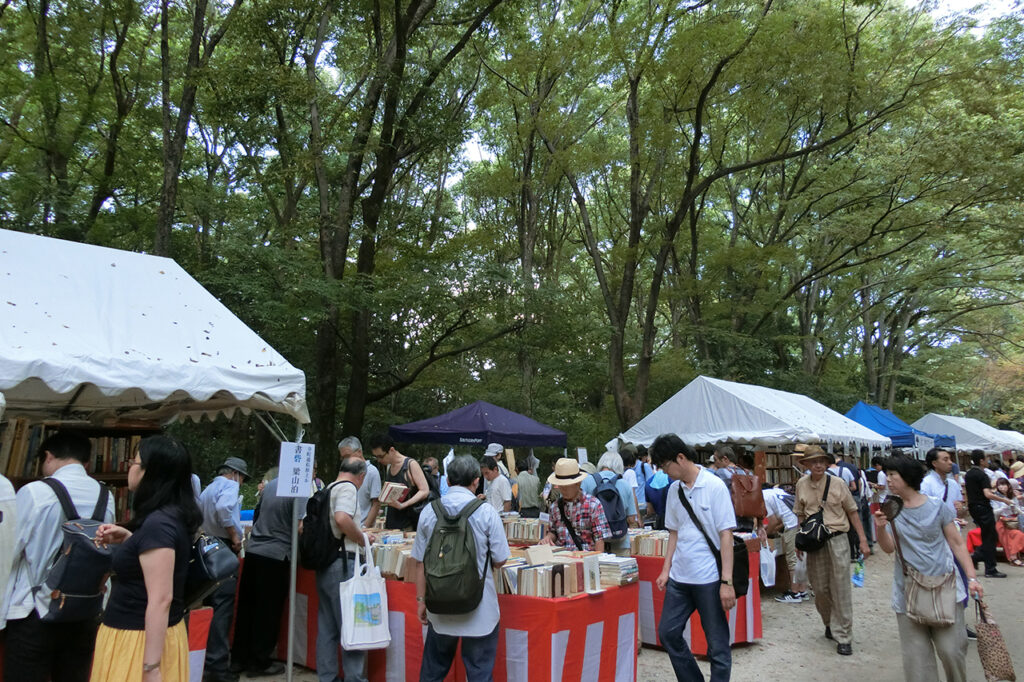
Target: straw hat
<point x="567" y="472"/>
<point x="813" y="452"/>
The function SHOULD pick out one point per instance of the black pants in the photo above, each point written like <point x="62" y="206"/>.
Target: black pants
<point x="262" y="591"/>
<point x="36" y="651"/>
<point x="982" y="515"/>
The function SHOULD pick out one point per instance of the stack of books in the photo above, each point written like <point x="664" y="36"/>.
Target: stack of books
<point x="644" y="542"/>
<point x="618" y="570"/>
<point x="524" y="531"/>
<point x="394" y="559"/>
<point x="392" y="492"/>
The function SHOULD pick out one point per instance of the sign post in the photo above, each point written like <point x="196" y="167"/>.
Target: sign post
<point x="295" y="472"/>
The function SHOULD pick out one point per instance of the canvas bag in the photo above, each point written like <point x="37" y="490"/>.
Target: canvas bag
<point x="364" y="603"/>
<point x="930" y="599"/>
<point x="76" y="577"/>
<point x="747" y="498"/>
<point x="453" y="582"/>
<point x="813" y="535"/>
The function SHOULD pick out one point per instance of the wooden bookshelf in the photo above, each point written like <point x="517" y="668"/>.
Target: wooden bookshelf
<point x="776" y="467"/>
<point x="113" y="446"/>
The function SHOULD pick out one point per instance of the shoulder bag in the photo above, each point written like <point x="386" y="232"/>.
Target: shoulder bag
<point x="930" y="599"/>
<point x="211" y="563"/>
<point x="747" y="498"/>
<point x="740" y="556"/>
<point x="568" y="525"/>
<point x="813" y="535"/>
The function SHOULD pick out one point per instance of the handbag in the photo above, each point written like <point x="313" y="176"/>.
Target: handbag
<point x="740" y="556"/>
<point x="930" y="599"/>
<point x="364" y="595"/>
<point x="995" y="657"/>
<point x="212" y="562"/>
<point x="813" y="535"/>
<point x="747" y="498"/>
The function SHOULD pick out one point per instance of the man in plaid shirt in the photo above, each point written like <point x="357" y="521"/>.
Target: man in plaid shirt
<point x="576" y="510"/>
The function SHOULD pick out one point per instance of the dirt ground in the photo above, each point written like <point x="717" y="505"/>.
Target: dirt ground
<point x="794" y="647"/>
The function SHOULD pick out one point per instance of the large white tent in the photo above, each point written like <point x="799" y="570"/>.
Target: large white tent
<point x="970" y="434"/>
<point x="88" y="332"/>
<point x="1014" y="438"/>
<point x="708" y="411"/>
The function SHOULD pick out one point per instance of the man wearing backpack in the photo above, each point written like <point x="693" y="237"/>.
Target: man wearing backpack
<point x="455" y="589"/>
<point x="38" y="650"/>
<point x="617" y="498"/>
<point x="344" y="527"/>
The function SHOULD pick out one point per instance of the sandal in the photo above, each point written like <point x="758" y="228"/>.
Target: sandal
<point x="1017" y="562"/>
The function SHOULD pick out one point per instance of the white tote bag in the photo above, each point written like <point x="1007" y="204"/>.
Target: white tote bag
<point x="364" y="607"/>
<point x="767" y="565"/>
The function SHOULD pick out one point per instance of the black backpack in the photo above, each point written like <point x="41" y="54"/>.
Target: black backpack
<point x="76" y="577"/>
<point x="614" y="510"/>
<point x="318" y="548"/>
<point x="454" y="585"/>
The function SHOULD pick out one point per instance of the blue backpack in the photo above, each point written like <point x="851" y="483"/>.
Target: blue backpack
<point x="614" y="511"/>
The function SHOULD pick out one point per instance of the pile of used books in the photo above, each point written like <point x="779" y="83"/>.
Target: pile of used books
<point x="524" y="531"/>
<point x="545" y="571"/>
<point x="646" y="542"/>
<point x="392" y="492"/>
<point x="392" y="553"/>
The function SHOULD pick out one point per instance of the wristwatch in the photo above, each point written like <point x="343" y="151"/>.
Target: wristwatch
<point x="725" y="581"/>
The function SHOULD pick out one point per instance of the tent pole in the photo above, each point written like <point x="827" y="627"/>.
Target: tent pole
<point x="293" y="571"/>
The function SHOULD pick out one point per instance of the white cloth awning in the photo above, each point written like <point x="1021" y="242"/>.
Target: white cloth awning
<point x="708" y="411"/>
<point x="970" y="434"/>
<point x="89" y="332"/>
<point x="1014" y="438"/>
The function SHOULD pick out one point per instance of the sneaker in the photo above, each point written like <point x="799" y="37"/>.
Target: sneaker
<point x="805" y="596"/>
<point x="788" y="597"/>
<point x="994" y="574"/>
<point x="275" y="668"/>
<point x="971" y="634"/>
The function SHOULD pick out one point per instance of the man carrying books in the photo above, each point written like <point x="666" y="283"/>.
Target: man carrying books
<point x="577" y="519"/>
<point x="698" y="514"/>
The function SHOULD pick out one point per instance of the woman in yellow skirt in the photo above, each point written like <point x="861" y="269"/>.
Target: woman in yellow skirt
<point x="142" y="638"/>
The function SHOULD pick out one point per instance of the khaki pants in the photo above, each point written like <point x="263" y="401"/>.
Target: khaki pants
<point x="922" y="643"/>
<point x="787" y="547"/>
<point x="828" y="570"/>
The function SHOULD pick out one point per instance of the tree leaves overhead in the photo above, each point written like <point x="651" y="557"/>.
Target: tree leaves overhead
<point x="569" y="209"/>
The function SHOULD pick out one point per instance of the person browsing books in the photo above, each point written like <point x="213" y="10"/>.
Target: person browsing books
<point x="497" y="490"/>
<point x="405" y="471"/>
<point x="370" y="489"/>
<point x="577" y="519"/>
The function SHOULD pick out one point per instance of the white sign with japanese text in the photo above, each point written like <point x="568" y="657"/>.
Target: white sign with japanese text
<point x="295" y="470"/>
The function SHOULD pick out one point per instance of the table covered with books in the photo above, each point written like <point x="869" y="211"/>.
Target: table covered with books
<point x="562" y="633"/>
<point x="648" y="549"/>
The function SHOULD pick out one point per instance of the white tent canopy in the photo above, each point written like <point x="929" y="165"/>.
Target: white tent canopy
<point x="970" y="434"/>
<point x="1014" y="438"/>
<point x="89" y="332"/>
<point x="708" y="411"/>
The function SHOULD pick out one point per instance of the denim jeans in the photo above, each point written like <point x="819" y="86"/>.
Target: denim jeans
<point x="681" y="600"/>
<point x="328" y="626"/>
<point x="218" y="650"/>
<point x="478" y="655"/>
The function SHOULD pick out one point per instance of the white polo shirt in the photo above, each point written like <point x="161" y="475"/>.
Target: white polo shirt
<point x="776" y="507"/>
<point x="935" y="486"/>
<point x="693" y="562"/>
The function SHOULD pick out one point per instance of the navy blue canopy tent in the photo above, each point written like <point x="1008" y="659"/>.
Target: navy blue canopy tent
<point x="888" y="424"/>
<point x="479" y="423"/>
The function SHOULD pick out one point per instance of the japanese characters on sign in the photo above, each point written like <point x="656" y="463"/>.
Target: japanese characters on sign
<point x="295" y="470"/>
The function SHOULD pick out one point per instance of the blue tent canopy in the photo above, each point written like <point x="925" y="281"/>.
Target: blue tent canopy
<point x="888" y="424"/>
<point x="479" y="423"/>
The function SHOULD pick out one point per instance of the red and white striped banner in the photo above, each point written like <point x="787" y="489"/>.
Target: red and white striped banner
<point x="744" y="618"/>
<point x="198" y="631"/>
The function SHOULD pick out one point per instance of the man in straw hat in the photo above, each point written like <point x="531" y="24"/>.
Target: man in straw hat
<point x="828" y="568"/>
<point x="221" y="508"/>
<point x="577" y="519"/>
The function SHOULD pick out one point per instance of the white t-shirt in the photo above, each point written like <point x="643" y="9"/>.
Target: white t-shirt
<point x="776" y="507"/>
<point x="693" y="562"/>
<point x="629" y="476"/>
<point x="883" y="482"/>
<point x="934" y="486"/>
<point x="498" y="492"/>
<point x="344" y="498"/>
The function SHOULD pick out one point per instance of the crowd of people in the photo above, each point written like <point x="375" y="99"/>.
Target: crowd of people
<point x="918" y="509"/>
